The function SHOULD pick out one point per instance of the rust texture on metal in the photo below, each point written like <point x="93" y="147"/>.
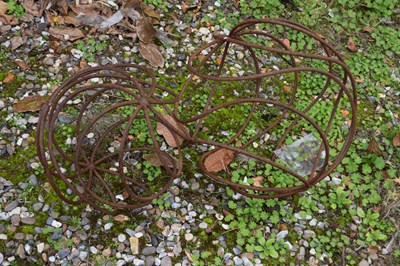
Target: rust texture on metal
<point x="98" y="135"/>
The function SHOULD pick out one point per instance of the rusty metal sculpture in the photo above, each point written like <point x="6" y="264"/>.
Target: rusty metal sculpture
<point x="116" y="158"/>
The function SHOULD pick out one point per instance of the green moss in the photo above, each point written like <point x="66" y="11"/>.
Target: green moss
<point x="15" y="167"/>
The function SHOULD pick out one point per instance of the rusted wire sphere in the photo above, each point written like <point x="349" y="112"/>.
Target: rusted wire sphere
<point x="288" y="89"/>
<point x="98" y="163"/>
<point x="270" y="108"/>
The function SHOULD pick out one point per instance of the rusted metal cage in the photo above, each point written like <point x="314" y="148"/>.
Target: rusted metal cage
<point x="277" y="113"/>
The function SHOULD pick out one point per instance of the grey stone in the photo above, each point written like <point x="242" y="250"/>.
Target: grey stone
<point x="148" y="251"/>
<point x="166" y="261"/>
<point x="56" y="235"/>
<point x="33" y="180"/>
<point x="237" y="261"/>
<point x="49" y="221"/>
<point x="19" y="236"/>
<point x="49" y="61"/>
<point x="2" y="228"/>
<point x="363" y="263"/>
<point x="195" y="185"/>
<point x="37" y="206"/>
<point x="237" y="250"/>
<point x="28" y="220"/>
<point x="1" y="258"/>
<point x="63" y="253"/>
<point x="20" y="251"/>
<point x="83" y="255"/>
<point x="308" y="234"/>
<point x="150" y="261"/>
<point x="84" y="221"/>
<point x="82" y="235"/>
<point x="15" y="219"/>
<point x="11" y="206"/>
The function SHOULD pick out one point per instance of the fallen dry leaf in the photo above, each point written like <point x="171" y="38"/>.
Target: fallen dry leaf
<point x="184" y="7"/>
<point x="396" y="180"/>
<point x="368" y="29"/>
<point x="257" y="181"/>
<point x="145" y="30"/>
<point x="30" y="104"/>
<point x="66" y="34"/>
<point x="72" y="21"/>
<point x="373" y="250"/>
<point x="154" y="160"/>
<point x="286" y="88"/>
<point x="167" y="134"/>
<point x="351" y="45"/>
<point x="32" y="8"/>
<point x="121" y="218"/>
<point x="396" y="140"/>
<point x="91" y="9"/>
<point x="22" y="64"/>
<point x="62" y="6"/>
<point x="3" y="7"/>
<point x="4" y="18"/>
<point x="148" y="11"/>
<point x="286" y="42"/>
<point x="218" y="160"/>
<point x="344" y="112"/>
<point x="373" y="147"/>
<point x="150" y="52"/>
<point x="236" y="3"/>
<point x="8" y="78"/>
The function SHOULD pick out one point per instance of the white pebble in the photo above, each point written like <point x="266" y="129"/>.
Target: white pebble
<point x="121" y="238"/>
<point x="108" y="226"/>
<point x="203" y="225"/>
<point x="56" y="224"/>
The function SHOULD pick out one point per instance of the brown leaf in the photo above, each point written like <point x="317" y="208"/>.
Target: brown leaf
<point x="72" y="20"/>
<point x="121" y="218"/>
<point x="62" y="6"/>
<point x="373" y="250"/>
<point x="3" y="7"/>
<point x="351" y="45"/>
<point x="30" y="104"/>
<point x="32" y="8"/>
<point x="148" y="11"/>
<point x="396" y="180"/>
<point x="8" y="78"/>
<point x="150" y="52"/>
<point x="257" y="181"/>
<point x="286" y="88"/>
<point x="184" y="7"/>
<point x="92" y="9"/>
<point x="218" y="160"/>
<point x="368" y="29"/>
<point x="396" y="140"/>
<point x="154" y="160"/>
<point x="66" y="34"/>
<point x="344" y="112"/>
<point x="373" y="147"/>
<point x="236" y="3"/>
<point x="286" y="42"/>
<point x="145" y="30"/>
<point x="22" y="64"/>
<point x="167" y="134"/>
<point x="4" y="18"/>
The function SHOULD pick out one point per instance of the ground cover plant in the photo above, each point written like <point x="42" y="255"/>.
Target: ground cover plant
<point x="349" y="218"/>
